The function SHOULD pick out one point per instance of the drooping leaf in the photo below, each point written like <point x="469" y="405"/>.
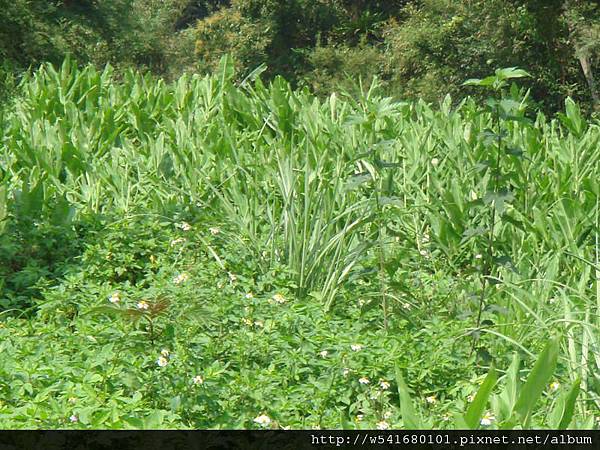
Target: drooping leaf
<point x="478" y="405"/>
<point x="410" y="416"/>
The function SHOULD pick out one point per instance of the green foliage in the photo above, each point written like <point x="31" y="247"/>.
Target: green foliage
<point x="442" y="41"/>
<point x="253" y="231"/>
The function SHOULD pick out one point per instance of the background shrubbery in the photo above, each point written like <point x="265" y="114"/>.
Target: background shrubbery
<point x="417" y="48"/>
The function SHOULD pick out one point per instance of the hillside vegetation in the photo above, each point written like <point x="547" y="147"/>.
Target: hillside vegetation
<point x="224" y="252"/>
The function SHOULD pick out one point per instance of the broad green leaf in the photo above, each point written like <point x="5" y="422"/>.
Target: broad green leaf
<point x="562" y="414"/>
<point x="410" y="416"/>
<point x="477" y="407"/>
<point x="536" y="381"/>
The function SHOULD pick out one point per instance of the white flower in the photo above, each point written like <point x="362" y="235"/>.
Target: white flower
<point x="186" y="226"/>
<point x="182" y="277"/>
<point x="74" y="418"/>
<point x="174" y="242"/>
<point x="164" y="352"/>
<point x="552" y="300"/>
<point x="470" y="398"/>
<point x="162" y="361"/>
<point x="554" y="386"/>
<point x="361" y="302"/>
<point x="246" y="321"/>
<point x="383" y="425"/>
<point x="406" y="305"/>
<point x="249" y="296"/>
<point x="115" y="298"/>
<point x="356" y="347"/>
<point x="143" y="305"/>
<point x="473" y="195"/>
<point x="363" y="380"/>
<point x="278" y="298"/>
<point x="478" y="256"/>
<point x="214" y="231"/>
<point x="263" y="420"/>
<point x="487" y="419"/>
<point x="384" y="385"/>
<point x="259" y="323"/>
<point x="387" y="414"/>
<point x="431" y="400"/>
<point x="435" y="162"/>
<point x="423" y="253"/>
<point x="198" y="380"/>
<point x="359" y="417"/>
<point x="425" y="238"/>
<point x="323" y="353"/>
<point x="345" y="372"/>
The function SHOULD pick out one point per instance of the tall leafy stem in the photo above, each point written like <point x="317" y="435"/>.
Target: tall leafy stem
<point x="503" y="110"/>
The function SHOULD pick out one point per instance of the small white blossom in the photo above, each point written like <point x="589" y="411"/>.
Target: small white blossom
<point x="162" y="361"/>
<point x="345" y="372"/>
<point x="425" y="238"/>
<point x="487" y="419"/>
<point x="478" y="256"/>
<point x="214" y="231"/>
<point x="174" y="242"/>
<point x="181" y="278"/>
<point x="198" y="380"/>
<point x="74" y="418"/>
<point x="384" y="385"/>
<point x="383" y="425"/>
<point x="470" y="398"/>
<point x="423" y="253"/>
<point x="186" y="226"/>
<point x="356" y="347"/>
<point x="406" y="305"/>
<point x="554" y="386"/>
<point x="259" y="323"/>
<point x="249" y="296"/>
<point x="473" y="195"/>
<point x="324" y="353"/>
<point x="143" y="305"/>
<point x="263" y="420"/>
<point x="387" y="414"/>
<point x="278" y="298"/>
<point x="364" y="380"/>
<point x="435" y="162"/>
<point x="115" y="298"/>
<point x="360" y="417"/>
<point x="432" y="400"/>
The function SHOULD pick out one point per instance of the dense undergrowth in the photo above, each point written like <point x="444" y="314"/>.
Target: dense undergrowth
<point x="212" y="254"/>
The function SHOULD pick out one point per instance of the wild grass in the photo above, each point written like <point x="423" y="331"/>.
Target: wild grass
<point x="353" y="196"/>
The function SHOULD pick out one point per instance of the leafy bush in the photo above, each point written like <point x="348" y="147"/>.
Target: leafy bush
<point x="216" y="252"/>
<point x="442" y="42"/>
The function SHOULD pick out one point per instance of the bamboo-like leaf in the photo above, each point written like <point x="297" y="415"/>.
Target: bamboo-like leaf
<point x="477" y="407"/>
<point x="536" y="381"/>
<point x="411" y="418"/>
